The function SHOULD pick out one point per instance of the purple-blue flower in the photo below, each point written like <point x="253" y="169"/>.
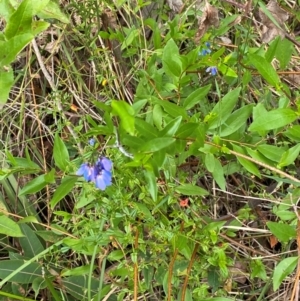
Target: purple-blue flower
<point x="212" y="70"/>
<point x="103" y="179"/>
<point x="99" y="173"/>
<point x="106" y="163"/>
<point x="92" y="141"/>
<point x="85" y="171"/>
<point x="204" y="52"/>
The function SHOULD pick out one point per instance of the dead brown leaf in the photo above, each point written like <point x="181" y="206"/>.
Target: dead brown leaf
<point x="210" y="17"/>
<point x="269" y="29"/>
<point x="273" y="241"/>
<point x="175" y="5"/>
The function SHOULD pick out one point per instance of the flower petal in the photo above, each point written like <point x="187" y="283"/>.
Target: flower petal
<point x="92" y="141"/>
<point x="100" y="183"/>
<point x="93" y="172"/>
<point x="106" y="163"/>
<point x="82" y="169"/>
<point x="214" y="70"/>
<point x="106" y="177"/>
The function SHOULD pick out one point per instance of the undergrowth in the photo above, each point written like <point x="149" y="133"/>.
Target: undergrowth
<point x="149" y="151"/>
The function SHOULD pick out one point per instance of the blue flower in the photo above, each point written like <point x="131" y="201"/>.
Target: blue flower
<point x="204" y="52"/>
<point x="207" y="44"/>
<point x="103" y="179"/>
<point x="99" y="173"/>
<point x="212" y="70"/>
<point x="92" y="141"/>
<point x="106" y="163"/>
<point x="85" y="171"/>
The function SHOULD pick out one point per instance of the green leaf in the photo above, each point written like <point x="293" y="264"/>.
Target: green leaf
<point x="265" y="69"/>
<point x="289" y="156"/>
<point x="186" y="130"/>
<point x="82" y="270"/>
<point x="142" y="208"/>
<point x="171" y="128"/>
<point x="271" y="51"/>
<point x="126" y="114"/>
<point x="152" y="184"/>
<point x="210" y="162"/>
<point x="49" y="236"/>
<point x="236" y="120"/>
<point x="218" y="175"/>
<point x="190" y="189"/>
<point x="9" y="227"/>
<point x="159" y="158"/>
<point x="271" y="152"/>
<point x="258" y="269"/>
<point x="171" y="59"/>
<point x="53" y="11"/>
<point x="171" y="108"/>
<point x="62" y="190"/>
<point x="156" y="144"/>
<point x="251" y="167"/>
<point x="77" y="287"/>
<point x="225" y="70"/>
<point x="25" y="276"/>
<point x="293" y="133"/>
<point x="196" y="97"/>
<point x="30" y="243"/>
<point x="157" y="116"/>
<point x="28" y="219"/>
<point x="24" y="163"/>
<point x="39" y="26"/>
<point x="273" y="120"/>
<point x="255" y="154"/>
<point x="283" y="269"/>
<point x="60" y="153"/>
<point x="283" y="232"/>
<point x="223" y="108"/>
<point x="133" y="34"/>
<point x="6" y="9"/>
<point x="6" y="82"/>
<point x="36" y="184"/>
<point x="132" y="141"/>
<point x="84" y="200"/>
<point x="284" y="52"/>
<point x="145" y="129"/>
<point x="284" y="214"/>
<point x="19" y="22"/>
<point x="9" y="49"/>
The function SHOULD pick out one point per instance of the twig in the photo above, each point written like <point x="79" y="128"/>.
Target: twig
<point x="295" y="292"/>
<point x="54" y="89"/>
<point x="136" y="270"/>
<point x="189" y="268"/>
<point x="169" y="297"/>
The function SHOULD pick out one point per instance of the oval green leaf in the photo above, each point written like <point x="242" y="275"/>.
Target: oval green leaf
<point x="190" y="189"/>
<point x="273" y="120"/>
<point x="62" y="190"/>
<point x="9" y="227"/>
